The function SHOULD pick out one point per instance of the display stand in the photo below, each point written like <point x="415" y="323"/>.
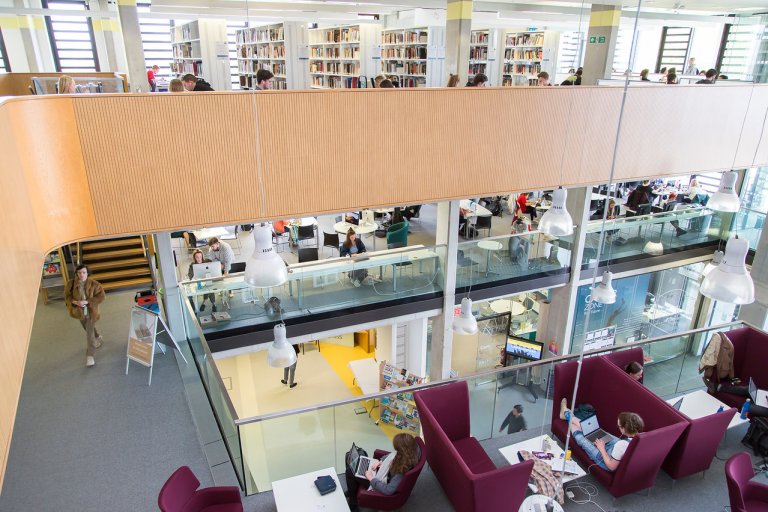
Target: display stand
<point x="398" y="409"/>
<point x="54" y="273"/>
<point x="143" y="338"/>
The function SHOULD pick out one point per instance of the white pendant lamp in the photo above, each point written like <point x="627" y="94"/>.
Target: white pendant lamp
<point x="265" y="268"/>
<point x="717" y="258"/>
<point x="729" y="281"/>
<point x="653" y="248"/>
<point x="604" y="292"/>
<point x="725" y="199"/>
<point x="557" y="221"/>
<point x="466" y="323"/>
<point x="280" y="354"/>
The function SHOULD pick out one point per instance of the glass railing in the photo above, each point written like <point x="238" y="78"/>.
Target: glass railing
<point x="285" y="444"/>
<point x="318" y="287"/>
<point x="748" y="224"/>
<point x="511" y="257"/>
<point x="651" y="235"/>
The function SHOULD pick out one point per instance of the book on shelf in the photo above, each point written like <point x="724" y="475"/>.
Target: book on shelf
<point x="525" y="39"/>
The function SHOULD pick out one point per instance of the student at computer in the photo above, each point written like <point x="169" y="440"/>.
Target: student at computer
<point x="605" y="455"/>
<point x="755" y="410"/>
<point x="221" y="252"/>
<point x="351" y="247"/>
<point x="385" y="475"/>
<point x="197" y="258"/>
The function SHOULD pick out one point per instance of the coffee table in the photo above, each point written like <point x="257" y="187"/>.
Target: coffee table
<point x="698" y="404"/>
<point x="534" y="445"/>
<point x="299" y="493"/>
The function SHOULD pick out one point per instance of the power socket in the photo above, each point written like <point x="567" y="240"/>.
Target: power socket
<point x="569" y="494"/>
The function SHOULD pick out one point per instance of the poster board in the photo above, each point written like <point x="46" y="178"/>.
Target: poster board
<point x="143" y="336"/>
<point x="600" y="338"/>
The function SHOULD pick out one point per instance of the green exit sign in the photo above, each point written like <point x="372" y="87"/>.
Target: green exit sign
<point x="592" y="39"/>
<point x="601" y="39"/>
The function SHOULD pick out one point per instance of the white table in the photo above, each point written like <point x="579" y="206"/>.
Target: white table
<point x="474" y="209"/>
<point x="529" y="504"/>
<point x="366" y="372"/>
<point x="489" y="246"/>
<point x="507" y="306"/>
<point x="206" y="233"/>
<point x="364" y="228"/>
<point x="698" y="404"/>
<point x="534" y="445"/>
<point x="300" y="493"/>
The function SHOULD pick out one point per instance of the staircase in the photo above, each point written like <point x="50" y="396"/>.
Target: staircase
<point x="117" y="263"/>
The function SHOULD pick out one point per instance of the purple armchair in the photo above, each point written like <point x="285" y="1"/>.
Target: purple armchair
<point x="622" y="358"/>
<point x="611" y="391"/>
<point x="375" y="500"/>
<point x="745" y="496"/>
<point x="180" y="494"/>
<point x="750" y="351"/>
<point x="468" y="476"/>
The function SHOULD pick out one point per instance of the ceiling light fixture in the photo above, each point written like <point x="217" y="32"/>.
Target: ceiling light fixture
<point x="604" y="292"/>
<point x="265" y="268"/>
<point x="281" y="353"/>
<point x="466" y="323"/>
<point x="717" y="258"/>
<point x="557" y="221"/>
<point x="726" y="199"/>
<point x="729" y="281"/>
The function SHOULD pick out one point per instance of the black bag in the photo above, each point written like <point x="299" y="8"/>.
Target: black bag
<point x="272" y="306"/>
<point x="325" y="484"/>
<point x="757" y="436"/>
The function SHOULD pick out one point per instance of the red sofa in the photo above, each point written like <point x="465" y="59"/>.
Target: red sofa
<point x="611" y="391"/>
<point x="750" y="352"/>
<point x="468" y="476"/>
<point x="697" y="446"/>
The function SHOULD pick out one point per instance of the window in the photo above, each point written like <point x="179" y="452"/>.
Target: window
<point x="232" y="28"/>
<point x="5" y="66"/>
<point x="74" y="49"/>
<point x="156" y="41"/>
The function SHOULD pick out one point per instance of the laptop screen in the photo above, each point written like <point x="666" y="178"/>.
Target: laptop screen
<point x="678" y="404"/>
<point x="752" y="390"/>
<point x="589" y="425"/>
<point x="352" y="457"/>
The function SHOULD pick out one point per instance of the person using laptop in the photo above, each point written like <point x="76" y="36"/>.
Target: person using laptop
<point x="384" y="475"/>
<point x="353" y="247"/>
<point x="606" y="454"/>
<point x="197" y="258"/>
<point x="756" y="408"/>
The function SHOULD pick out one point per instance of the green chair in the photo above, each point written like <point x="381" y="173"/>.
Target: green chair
<point x="398" y="234"/>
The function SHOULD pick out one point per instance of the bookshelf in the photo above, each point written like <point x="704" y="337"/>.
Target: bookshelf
<point x="411" y="55"/>
<point x="340" y="56"/>
<point x="526" y="54"/>
<point x="399" y="408"/>
<point x="197" y="47"/>
<point x="273" y="47"/>
<point x="54" y="273"/>
<point x="482" y="55"/>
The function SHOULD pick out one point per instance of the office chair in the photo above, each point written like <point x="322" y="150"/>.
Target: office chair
<point x="483" y="223"/>
<point x="331" y="240"/>
<point x="305" y="233"/>
<point x="237" y="267"/>
<point x="308" y="254"/>
<point x="400" y="265"/>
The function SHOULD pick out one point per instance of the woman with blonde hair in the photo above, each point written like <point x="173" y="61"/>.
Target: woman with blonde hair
<point x="379" y="78"/>
<point x="67" y="85"/>
<point x="176" y="85"/>
<point x="453" y="80"/>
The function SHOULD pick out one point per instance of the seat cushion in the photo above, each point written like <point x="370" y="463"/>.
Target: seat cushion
<point x="225" y="507"/>
<point x="756" y="506"/>
<point x="473" y="455"/>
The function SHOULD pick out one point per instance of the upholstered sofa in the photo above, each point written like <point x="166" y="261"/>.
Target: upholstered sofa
<point x="750" y="352"/>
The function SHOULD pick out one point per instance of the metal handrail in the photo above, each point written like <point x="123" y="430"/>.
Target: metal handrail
<point x="489" y="373"/>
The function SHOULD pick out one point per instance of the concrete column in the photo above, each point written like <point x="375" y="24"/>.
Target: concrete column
<point x="557" y="323"/>
<point x="601" y="42"/>
<point x="442" y="325"/>
<point x="172" y="295"/>
<point x="757" y="312"/>
<point x="416" y="347"/>
<point x="134" y="51"/>
<point x="105" y="30"/>
<point x="26" y="25"/>
<point x="458" y="28"/>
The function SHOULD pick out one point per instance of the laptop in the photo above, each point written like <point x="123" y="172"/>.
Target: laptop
<point x="592" y="431"/>
<point x="358" y="464"/>
<point x="758" y="396"/>
<point x="677" y="405"/>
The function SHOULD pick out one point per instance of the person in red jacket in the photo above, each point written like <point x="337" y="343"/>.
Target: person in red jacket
<point x="152" y="79"/>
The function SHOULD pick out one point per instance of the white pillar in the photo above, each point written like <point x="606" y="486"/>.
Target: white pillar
<point x="171" y="292"/>
<point x="416" y="347"/>
<point x="442" y="325"/>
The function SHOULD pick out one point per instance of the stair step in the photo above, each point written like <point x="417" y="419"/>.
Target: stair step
<point x="127" y="283"/>
<point x="126" y="272"/>
<point x="109" y="244"/>
<point x="118" y="253"/>
<point x="130" y="262"/>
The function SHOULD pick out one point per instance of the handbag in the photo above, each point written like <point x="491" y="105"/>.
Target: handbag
<point x="325" y="484"/>
<point x="757" y="436"/>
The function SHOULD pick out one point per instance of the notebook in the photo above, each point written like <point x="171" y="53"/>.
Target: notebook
<point x="357" y="463"/>
<point x="592" y="431"/>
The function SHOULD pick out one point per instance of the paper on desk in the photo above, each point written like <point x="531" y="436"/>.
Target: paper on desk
<point x="557" y="465"/>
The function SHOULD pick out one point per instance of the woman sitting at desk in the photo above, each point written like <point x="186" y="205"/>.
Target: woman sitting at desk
<point x="197" y="258"/>
<point x="351" y="247"/>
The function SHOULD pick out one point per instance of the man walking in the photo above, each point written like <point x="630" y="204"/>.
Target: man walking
<point x="83" y="295"/>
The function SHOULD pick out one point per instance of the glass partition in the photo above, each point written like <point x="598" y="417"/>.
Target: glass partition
<point x="750" y="218"/>
<point x="318" y="287"/>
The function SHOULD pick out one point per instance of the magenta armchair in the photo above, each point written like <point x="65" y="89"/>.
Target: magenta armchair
<point x="180" y="494"/>
<point x="375" y="500"/>
<point x="745" y="496"/>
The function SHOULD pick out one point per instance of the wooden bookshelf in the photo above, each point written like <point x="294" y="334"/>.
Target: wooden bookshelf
<point x="195" y="47"/>
<point x="410" y="55"/>
<point x="526" y="54"/>
<point x="273" y="47"/>
<point x="339" y="57"/>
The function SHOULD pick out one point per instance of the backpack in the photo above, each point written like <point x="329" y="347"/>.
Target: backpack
<point x="757" y="436"/>
<point x="272" y="306"/>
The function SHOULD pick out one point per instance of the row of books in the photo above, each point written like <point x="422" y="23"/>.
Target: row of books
<point x="478" y="53"/>
<point x="477" y="68"/>
<point x="404" y="37"/>
<point x="535" y="54"/>
<point x="260" y="35"/>
<point x="336" y="82"/>
<point x="263" y="52"/>
<point x="522" y="69"/>
<point x="413" y="52"/>
<point x="342" y="35"/>
<point x="184" y="67"/>
<point x="413" y="82"/>
<point x="186" y="32"/>
<point x="400" y="68"/>
<point x="478" y="38"/>
<point x="525" y="39"/>
<point x="186" y="51"/>
<point x="246" y="67"/>
<point x="337" y="68"/>
<point x="319" y="52"/>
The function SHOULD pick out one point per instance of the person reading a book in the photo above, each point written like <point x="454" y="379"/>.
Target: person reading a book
<point x="385" y="475"/>
<point x="197" y="258"/>
<point x="605" y="454"/>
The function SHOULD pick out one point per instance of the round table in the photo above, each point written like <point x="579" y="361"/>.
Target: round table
<point x="304" y="221"/>
<point x="538" y="499"/>
<point x="489" y="246"/>
<point x="363" y="228"/>
<point x="508" y="306"/>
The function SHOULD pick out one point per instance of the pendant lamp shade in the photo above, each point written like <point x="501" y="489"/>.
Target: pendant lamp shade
<point x="729" y="281"/>
<point x="557" y="221"/>
<point x="604" y="292"/>
<point x="653" y="248"/>
<point x="265" y="268"/>
<point x="717" y="258"/>
<point x="725" y="199"/>
<point x="466" y="322"/>
<point x="281" y="353"/>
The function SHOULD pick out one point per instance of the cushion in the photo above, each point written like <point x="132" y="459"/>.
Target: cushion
<point x="474" y="455"/>
<point x="756" y="506"/>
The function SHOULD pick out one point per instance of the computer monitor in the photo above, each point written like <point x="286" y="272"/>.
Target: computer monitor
<point x="520" y="347"/>
<point x="752" y="390"/>
<point x="206" y="270"/>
